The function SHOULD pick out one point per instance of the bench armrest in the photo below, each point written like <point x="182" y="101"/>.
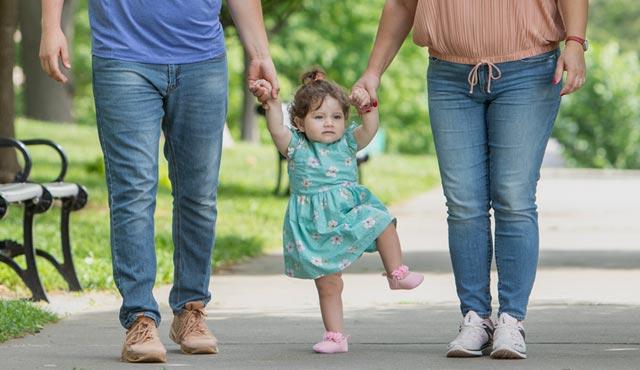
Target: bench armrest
<point x="63" y="157"/>
<point x="23" y="175"/>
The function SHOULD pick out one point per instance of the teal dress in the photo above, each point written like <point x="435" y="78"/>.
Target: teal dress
<point x="331" y="220"/>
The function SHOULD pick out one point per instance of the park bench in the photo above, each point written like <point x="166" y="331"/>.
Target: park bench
<point x="38" y="198"/>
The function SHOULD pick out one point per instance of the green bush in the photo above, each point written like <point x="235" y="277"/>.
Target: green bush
<point x="599" y="126"/>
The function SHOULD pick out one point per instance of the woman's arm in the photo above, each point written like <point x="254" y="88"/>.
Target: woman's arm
<point x="395" y="24"/>
<point x="574" y="14"/>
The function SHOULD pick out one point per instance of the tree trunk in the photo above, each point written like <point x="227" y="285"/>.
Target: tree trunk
<point x="8" y="19"/>
<point x="44" y="98"/>
<point x="249" y="128"/>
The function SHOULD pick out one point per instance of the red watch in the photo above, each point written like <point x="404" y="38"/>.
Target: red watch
<point x="579" y="40"/>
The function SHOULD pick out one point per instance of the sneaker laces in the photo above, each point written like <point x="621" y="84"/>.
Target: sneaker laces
<point x="141" y="332"/>
<point x="516" y="332"/>
<point x="194" y="322"/>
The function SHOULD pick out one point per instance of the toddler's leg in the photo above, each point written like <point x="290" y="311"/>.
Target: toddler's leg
<point x="398" y="274"/>
<point x="330" y="294"/>
<point x="388" y="245"/>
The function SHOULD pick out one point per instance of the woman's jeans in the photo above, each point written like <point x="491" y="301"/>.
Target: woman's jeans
<point x="490" y="146"/>
<point x="135" y="102"/>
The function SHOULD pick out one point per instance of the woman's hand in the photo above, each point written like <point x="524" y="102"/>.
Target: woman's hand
<point x="53" y="45"/>
<point x="571" y="60"/>
<point x="360" y="98"/>
<point x="368" y="83"/>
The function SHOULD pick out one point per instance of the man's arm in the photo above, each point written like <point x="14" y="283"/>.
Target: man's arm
<point x="247" y="16"/>
<point x="574" y="16"/>
<point x="53" y="43"/>
<point x="395" y="24"/>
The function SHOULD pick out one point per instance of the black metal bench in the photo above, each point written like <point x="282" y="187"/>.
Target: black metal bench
<point x="71" y="196"/>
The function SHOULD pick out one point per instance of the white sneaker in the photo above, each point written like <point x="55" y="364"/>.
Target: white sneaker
<point x="474" y="338"/>
<point x="508" y="339"/>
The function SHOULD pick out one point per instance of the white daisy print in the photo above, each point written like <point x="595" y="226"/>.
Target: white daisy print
<point x="348" y="161"/>
<point x="302" y="199"/>
<point x="336" y="240"/>
<point x="323" y="151"/>
<point x="344" y="264"/>
<point x="289" y="247"/>
<point x="362" y="196"/>
<point x="317" y="261"/>
<point x="306" y="183"/>
<point x="315" y="236"/>
<point x="368" y="223"/>
<point x="332" y="171"/>
<point x="299" y="246"/>
<point x="289" y="272"/>
<point x="313" y="162"/>
<point x="352" y="249"/>
<point x="332" y="224"/>
<point x="344" y="193"/>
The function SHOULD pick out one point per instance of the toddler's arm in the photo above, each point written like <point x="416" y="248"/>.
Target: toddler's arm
<point x="370" y="119"/>
<point x="280" y="134"/>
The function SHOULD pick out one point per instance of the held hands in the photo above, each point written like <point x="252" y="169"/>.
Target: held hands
<point x="262" y="69"/>
<point x="571" y="60"/>
<point x="264" y="91"/>
<point x="363" y="94"/>
<point x="53" y="45"/>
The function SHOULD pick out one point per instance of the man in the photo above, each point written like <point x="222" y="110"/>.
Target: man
<point x="160" y="66"/>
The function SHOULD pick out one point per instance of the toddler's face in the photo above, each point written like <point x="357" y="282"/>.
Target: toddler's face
<point x="325" y="124"/>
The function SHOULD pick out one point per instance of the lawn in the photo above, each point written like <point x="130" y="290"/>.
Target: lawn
<point x="249" y="215"/>
<point x="18" y="318"/>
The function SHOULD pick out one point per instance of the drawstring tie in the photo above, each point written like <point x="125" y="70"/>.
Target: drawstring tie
<point x="473" y="75"/>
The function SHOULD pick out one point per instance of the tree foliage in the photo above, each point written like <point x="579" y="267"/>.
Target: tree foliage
<point x="599" y="126"/>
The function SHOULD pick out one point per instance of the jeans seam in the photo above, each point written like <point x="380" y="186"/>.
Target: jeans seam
<point x="107" y="167"/>
<point x="177" y="220"/>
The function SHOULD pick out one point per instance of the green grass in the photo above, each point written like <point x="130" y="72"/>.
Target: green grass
<point x="18" y="318"/>
<point x="249" y="215"/>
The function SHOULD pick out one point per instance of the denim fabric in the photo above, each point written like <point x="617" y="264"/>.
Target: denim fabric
<point x="490" y="147"/>
<point x="135" y="102"/>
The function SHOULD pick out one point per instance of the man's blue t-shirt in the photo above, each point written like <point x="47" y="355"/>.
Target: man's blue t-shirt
<point x="156" y="31"/>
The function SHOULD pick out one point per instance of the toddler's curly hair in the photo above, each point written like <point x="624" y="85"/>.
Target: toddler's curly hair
<point x="311" y="94"/>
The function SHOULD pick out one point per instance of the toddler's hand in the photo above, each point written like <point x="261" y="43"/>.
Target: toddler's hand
<point x="261" y="89"/>
<point x="360" y="99"/>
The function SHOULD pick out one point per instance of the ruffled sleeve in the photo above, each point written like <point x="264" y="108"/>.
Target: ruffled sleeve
<point x="296" y="142"/>
<point x="351" y="138"/>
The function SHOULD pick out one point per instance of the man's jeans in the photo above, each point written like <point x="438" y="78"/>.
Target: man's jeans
<point x="135" y="102"/>
<point x="490" y="147"/>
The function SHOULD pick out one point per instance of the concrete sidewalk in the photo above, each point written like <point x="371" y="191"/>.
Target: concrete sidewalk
<point x="584" y="312"/>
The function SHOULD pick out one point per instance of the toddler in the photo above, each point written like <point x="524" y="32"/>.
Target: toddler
<point x="331" y="220"/>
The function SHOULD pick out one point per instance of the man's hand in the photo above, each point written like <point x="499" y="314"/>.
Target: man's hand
<point x="263" y="69"/>
<point x="571" y="60"/>
<point x="53" y="46"/>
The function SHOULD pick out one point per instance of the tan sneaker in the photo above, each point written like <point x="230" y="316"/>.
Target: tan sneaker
<point x="190" y="331"/>
<point x="142" y="342"/>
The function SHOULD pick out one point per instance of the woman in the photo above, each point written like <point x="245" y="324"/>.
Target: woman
<point x="494" y="91"/>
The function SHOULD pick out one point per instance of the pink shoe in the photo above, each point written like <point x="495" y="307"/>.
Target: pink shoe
<point x="402" y="278"/>
<point x="332" y="342"/>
